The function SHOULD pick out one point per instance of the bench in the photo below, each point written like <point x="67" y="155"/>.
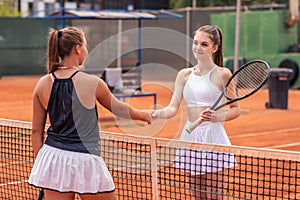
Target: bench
<point x="131" y="83"/>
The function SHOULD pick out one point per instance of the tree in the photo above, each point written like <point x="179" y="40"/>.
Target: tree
<point x="7" y="9"/>
<point x="179" y="3"/>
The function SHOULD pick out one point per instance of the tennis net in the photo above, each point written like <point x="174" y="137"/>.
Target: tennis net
<point x="152" y="168"/>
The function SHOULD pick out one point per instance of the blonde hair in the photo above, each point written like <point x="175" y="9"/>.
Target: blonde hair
<point x="60" y="44"/>
<point x="216" y="36"/>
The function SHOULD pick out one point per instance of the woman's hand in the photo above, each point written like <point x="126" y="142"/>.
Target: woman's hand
<point x="145" y="115"/>
<point x="214" y="116"/>
<point x="148" y="116"/>
<point x="155" y="114"/>
<point x="159" y="114"/>
<point x="209" y="115"/>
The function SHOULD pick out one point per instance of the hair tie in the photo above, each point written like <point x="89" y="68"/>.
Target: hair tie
<point x="59" y="34"/>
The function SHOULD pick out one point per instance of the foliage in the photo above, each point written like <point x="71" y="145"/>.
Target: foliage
<point x="210" y="3"/>
<point x="7" y="9"/>
<point x="179" y="3"/>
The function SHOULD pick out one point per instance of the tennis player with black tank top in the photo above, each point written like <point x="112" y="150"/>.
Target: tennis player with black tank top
<point x="200" y="86"/>
<point x="69" y="161"/>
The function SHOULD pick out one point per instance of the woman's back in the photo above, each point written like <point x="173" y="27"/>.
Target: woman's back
<point x="73" y="114"/>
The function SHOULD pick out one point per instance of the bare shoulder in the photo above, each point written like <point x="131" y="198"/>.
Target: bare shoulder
<point x="44" y="81"/>
<point x="87" y="76"/>
<point x="185" y="72"/>
<point x="90" y="80"/>
<point x="220" y="76"/>
<point x="224" y="73"/>
<point x="44" y="78"/>
<point x="183" y="75"/>
<point x="42" y="89"/>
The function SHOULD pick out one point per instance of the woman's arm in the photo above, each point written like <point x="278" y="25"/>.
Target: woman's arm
<point x="38" y="121"/>
<point x="234" y="110"/>
<point x="117" y="107"/>
<point x="172" y="109"/>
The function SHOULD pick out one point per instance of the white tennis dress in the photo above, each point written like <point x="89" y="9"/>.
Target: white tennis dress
<point x="200" y="91"/>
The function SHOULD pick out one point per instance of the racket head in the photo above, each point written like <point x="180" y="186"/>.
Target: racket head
<point x="248" y="79"/>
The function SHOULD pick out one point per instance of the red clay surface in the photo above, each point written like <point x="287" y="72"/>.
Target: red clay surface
<point x="256" y="127"/>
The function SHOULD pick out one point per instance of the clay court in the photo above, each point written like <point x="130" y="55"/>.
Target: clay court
<point x="256" y="127"/>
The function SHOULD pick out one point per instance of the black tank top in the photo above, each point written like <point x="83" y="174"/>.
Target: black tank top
<point x="73" y="126"/>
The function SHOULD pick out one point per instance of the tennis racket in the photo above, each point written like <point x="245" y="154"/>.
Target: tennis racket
<point x="247" y="80"/>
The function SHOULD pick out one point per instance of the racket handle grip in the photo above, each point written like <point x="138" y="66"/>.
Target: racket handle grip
<point x="194" y="125"/>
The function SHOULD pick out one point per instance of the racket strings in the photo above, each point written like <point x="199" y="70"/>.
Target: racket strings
<point x="249" y="79"/>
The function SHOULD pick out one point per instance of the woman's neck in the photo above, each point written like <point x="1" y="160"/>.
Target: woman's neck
<point x="69" y="61"/>
<point x="204" y="66"/>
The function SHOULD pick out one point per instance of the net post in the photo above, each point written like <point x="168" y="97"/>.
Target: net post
<point x="154" y="173"/>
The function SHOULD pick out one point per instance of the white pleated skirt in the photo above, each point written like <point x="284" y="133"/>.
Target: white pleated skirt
<point x="204" y="161"/>
<point x="67" y="171"/>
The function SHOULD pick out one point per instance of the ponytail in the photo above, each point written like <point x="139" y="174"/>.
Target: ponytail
<point x="53" y="57"/>
<point x="218" y="55"/>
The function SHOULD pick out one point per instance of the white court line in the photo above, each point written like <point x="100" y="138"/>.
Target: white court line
<point x="284" y="145"/>
<point x="271" y="132"/>
<point x="265" y="133"/>
<point x="13" y="183"/>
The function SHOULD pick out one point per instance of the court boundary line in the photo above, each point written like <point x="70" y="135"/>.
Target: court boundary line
<point x="13" y="183"/>
<point x="284" y="145"/>
<point x="265" y="133"/>
<point x="279" y="146"/>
